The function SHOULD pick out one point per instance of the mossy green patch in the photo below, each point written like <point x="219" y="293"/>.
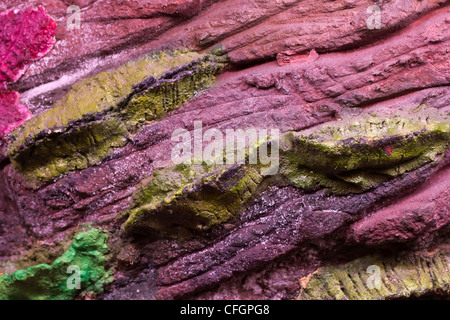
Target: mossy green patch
<point x="377" y="277"/>
<point x="100" y="113"/>
<point x="101" y="92"/>
<point x="183" y="198"/>
<point x="58" y="280"/>
<point x="76" y="149"/>
<point x="155" y="102"/>
<point x="360" y="155"/>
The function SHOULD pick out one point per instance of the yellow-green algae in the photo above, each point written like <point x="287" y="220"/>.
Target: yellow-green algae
<point x="351" y="157"/>
<point x="88" y="252"/>
<point x="178" y="199"/>
<point x="404" y="276"/>
<point x="100" y="113"/>
<point x="167" y="96"/>
<point x="101" y="92"/>
<point x="76" y="149"/>
<point x="354" y="156"/>
<point x="182" y="198"/>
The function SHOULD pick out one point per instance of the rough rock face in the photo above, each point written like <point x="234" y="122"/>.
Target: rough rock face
<point x="362" y="175"/>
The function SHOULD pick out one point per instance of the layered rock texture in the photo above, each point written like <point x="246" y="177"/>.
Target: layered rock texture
<point x="351" y="100"/>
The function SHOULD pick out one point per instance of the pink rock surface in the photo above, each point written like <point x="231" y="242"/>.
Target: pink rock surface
<point x="12" y="114"/>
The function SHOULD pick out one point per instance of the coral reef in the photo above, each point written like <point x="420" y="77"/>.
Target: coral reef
<point x="360" y="189"/>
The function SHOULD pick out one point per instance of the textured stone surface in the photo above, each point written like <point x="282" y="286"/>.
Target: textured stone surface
<point x="401" y="277"/>
<point x="101" y="113"/>
<point x="364" y="159"/>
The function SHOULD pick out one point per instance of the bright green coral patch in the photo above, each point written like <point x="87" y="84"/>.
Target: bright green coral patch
<point x="100" y="113"/>
<point x="375" y="278"/>
<point x="58" y="280"/>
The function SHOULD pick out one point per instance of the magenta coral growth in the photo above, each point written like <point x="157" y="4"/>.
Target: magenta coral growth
<point x="12" y="113"/>
<point x="25" y="36"/>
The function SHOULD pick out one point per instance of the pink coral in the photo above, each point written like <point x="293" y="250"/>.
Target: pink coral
<point x="25" y="36"/>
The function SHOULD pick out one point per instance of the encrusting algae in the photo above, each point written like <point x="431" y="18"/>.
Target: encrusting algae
<point x="87" y="254"/>
<point x="101" y="113"/>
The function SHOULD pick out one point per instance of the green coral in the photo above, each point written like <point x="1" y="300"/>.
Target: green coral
<point x="50" y="282"/>
<point x="100" y="113"/>
<point x="404" y="276"/>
